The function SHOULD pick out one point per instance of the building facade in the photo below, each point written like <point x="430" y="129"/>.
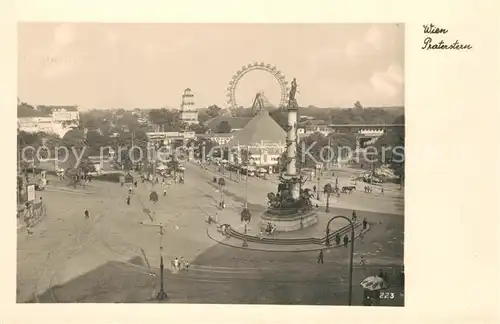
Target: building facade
<point x="48" y="119"/>
<point x="219" y="138"/>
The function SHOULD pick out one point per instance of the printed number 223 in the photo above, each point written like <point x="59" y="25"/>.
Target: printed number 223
<point x="386" y="295"/>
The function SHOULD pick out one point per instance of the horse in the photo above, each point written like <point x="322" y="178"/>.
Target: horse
<point x="348" y="189"/>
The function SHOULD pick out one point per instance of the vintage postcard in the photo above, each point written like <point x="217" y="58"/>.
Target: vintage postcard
<point x="236" y="163"/>
<point x="266" y="181"/>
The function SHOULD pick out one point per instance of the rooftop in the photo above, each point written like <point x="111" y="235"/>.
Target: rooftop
<point x="366" y="125"/>
<point x="52" y="108"/>
<point x="262" y="128"/>
<point x="234" y="122"/>
<point x="216" y="135"/>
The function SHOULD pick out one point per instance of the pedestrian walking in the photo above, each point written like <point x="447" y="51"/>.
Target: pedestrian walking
<point x="365" y="223"/>
<point x="176" y="264"/>
<point x="354" y="217"/>
<point x="86" y="214"/>
<point x="346" y="240"/>
<point x="135" y="183"/>
<point x="182" y="263"/>
<point x="314" y="189"/>
<point x="187" y="265"/>
<point x="164" y="192"/>
<point x="320" y="256"/>
<point x="337" y="239"/>
<point x="128" y="200"/>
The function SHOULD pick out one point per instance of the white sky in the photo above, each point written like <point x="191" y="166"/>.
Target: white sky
<point x="149" y="65"/>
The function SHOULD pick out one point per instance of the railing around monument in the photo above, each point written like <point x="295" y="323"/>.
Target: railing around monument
<point x="292" y="241"/>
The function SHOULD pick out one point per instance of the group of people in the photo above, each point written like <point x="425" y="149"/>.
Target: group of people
<point x="135" y="184"/>
<point x="369" y="189"/>
<point x="180" y="264"/>
<point x="268" y="230"/>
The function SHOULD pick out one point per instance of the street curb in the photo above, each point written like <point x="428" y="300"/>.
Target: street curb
<point x="265" y="250"/>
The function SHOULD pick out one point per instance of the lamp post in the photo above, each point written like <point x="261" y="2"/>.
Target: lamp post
<point x="317" y="188"/>
<point x="247" y="164"/>
<point x="245" y="218"/>
<point x="221" y="183"/>
<point x="351" y="252"/>
<point x="162" y="295"/>
<point x="245" y="243"/>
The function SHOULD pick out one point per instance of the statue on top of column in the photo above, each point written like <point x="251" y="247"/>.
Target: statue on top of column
<point x="292" y="102"/>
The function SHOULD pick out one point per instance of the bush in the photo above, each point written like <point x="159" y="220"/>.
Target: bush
<point x="110" y="177"/>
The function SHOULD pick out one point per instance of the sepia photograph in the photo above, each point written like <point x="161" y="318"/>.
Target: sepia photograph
<point x="211" y="163"/>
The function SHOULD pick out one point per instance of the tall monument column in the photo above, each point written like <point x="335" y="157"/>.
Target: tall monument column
<point x="291" y="140"/>
<point x="287" y="210"/>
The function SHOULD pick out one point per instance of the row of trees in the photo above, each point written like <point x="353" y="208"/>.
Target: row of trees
<point x="355" y="115"/>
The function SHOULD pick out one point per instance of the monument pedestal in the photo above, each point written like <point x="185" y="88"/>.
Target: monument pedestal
<point x="288" y="219"/>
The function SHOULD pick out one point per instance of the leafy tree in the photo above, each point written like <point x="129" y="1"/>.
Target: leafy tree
<point x="125" y="162"/>
<point x="95" y="141"/>
<point x="280" y="116"/>
<point x="357" y="105"/>
<point x="391" y="148"/>
<point x="213" y="111"/>
<point x="174" y="167"/>
<point x="203" y="116"/>
<point x="74" y="138"/>
<point x="86" y="166"/>
<point x="167" y="119"/>
<point x="198" y="128"/>
<point x="224" y="127"/>
<point x="242" y="112"/>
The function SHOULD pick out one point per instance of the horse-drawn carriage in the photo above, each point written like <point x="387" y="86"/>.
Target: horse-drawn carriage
<point x="348" y="189"/>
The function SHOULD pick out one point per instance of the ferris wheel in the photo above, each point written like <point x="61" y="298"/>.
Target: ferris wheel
<point x="271" y="69"/>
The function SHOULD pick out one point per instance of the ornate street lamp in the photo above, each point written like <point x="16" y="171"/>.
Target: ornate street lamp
<point x="246" y="216"/>
<point x="162" y="295"/>
<point x="351" y="252"/>
<point x="221" y="182"/>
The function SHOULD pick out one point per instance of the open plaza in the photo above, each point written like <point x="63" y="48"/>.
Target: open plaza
<point x="265" y="199"/>
<point x="112" y="257"/>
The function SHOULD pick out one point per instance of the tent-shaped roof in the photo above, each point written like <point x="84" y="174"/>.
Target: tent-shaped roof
<point x="261" y="129"/>
<point x="234" y="122"/>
